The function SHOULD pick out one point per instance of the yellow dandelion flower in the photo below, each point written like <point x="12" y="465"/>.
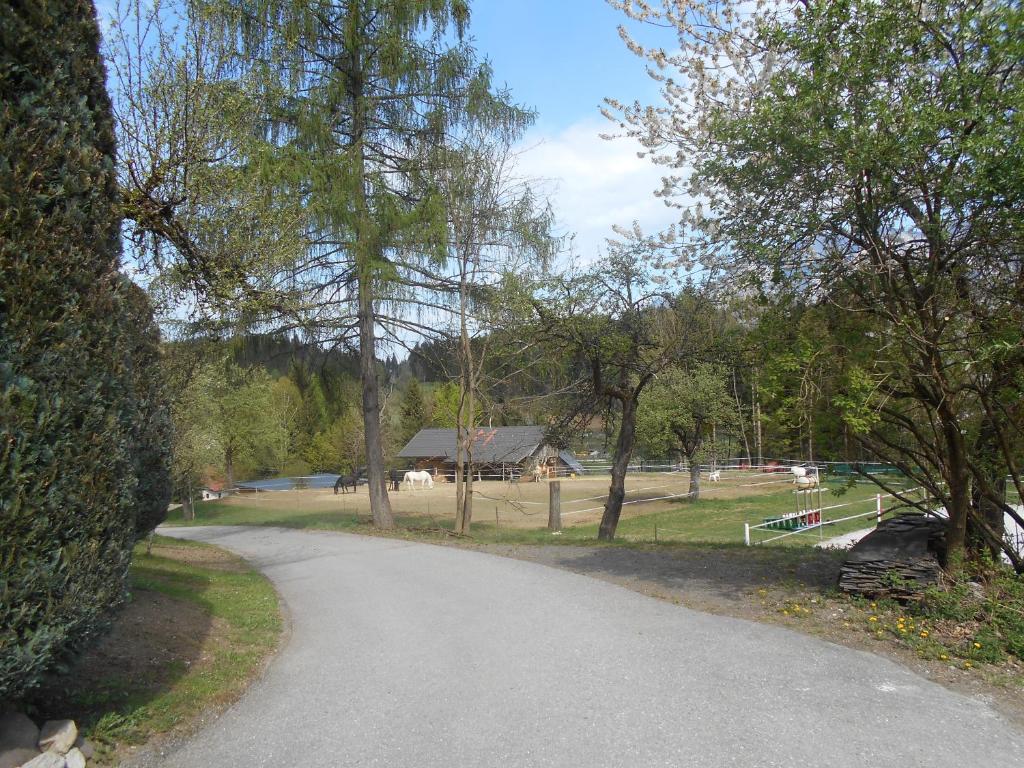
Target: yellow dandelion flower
<point x="924" y="633"/>
<point x="977" y="645"/>
<point x="943" y="656"/>
<point x="872" y="618"/>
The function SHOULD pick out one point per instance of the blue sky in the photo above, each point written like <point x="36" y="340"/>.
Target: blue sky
<point x="562" y="57"/>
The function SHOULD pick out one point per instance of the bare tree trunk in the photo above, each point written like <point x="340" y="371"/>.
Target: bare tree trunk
<point x="188" y="510"/>
<point x="694" y="478"/>
<point x="987" y="455"/>
<point x="466" y="416"/>
<point x="380" y="504"/>
<point x="739" y="413"/>
<point x="620" y="463"/>
<point x="756" y="392"/>
<point x="959" y="499"/>
<point x="460" y="473"/>
<point x="467" y="499"/>
<point x="367" y="248"/>
<point x="229" y="468"/>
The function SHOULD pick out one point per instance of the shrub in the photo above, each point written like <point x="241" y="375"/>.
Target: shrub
<point x="153" y="430"/>
<point x="69" y="419"/>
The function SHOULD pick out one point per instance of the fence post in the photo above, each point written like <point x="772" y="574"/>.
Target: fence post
<point x="746" y="534"/>
<point x="555" y="506"/>
<point x="878" y="509"/>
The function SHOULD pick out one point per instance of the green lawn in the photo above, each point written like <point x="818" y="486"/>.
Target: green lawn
<point x="708" y="521"/>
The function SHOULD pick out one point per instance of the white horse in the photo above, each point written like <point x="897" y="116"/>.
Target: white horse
<point x="422" y="477"/>
<point x="714" y="477"/>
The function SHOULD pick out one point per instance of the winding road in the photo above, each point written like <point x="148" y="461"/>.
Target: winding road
<point x="405" y="655"/>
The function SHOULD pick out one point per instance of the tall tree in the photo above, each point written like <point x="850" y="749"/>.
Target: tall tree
<point x="362" y="94"/>
<point x="495" y="227"/>
<point x="208" y="230"/>
<point x="622" y="324"/>
<point x="870" y="155"/>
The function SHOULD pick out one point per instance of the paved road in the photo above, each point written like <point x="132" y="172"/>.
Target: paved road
<point x="413" y="656"/>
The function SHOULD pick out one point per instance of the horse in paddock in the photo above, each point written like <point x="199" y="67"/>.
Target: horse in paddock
<point x="344" y="481"/>
<point x="421" y="477"/>
<point x="395" y="478"/>
<point x="714" y="477"/>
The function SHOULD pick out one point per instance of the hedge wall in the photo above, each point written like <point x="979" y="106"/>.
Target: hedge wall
<point x="70" y="420"/>
<point x="153" y="430"/>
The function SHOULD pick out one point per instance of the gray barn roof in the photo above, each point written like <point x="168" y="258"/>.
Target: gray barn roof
<point x="571" y="462"/>
<point x="491" y="445"/>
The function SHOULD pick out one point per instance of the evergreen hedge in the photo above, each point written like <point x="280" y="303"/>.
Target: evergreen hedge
<point x="69" y="416"/>
<point x="152" y="436"/>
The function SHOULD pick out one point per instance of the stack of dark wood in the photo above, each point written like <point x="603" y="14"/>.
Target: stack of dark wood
<point x="898" y="559"/>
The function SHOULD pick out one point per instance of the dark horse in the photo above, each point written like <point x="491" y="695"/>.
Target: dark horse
<point x="344" y="481"/>
<point x="395" y="476"/>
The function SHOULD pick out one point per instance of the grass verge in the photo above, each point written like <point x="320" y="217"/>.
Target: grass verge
<point x="198" y="628"/>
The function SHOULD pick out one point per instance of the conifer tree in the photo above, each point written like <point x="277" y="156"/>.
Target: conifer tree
<point x="413" y="411"/>
<point x="361" y="95"/>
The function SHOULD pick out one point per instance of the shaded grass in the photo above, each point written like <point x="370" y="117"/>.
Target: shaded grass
<point x="233" y="610"/>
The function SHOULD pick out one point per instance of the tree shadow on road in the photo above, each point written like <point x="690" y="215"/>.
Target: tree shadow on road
<point x="701" y="572"/>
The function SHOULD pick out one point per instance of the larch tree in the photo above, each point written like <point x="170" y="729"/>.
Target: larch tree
<point x="869" y="155"/>
<point x="361" y="95"/>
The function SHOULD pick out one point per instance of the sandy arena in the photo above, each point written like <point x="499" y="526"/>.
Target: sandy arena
<point x="525" y="504"/>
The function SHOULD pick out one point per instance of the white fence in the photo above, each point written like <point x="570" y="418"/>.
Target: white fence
<point x="813" y="519"/>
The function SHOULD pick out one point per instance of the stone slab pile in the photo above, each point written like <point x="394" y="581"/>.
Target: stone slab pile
<point x="898" y="559"/>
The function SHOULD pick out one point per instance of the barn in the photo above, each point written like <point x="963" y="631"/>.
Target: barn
<point x="498" y="453"/>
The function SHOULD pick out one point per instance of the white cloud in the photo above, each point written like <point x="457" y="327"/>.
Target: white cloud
<point x="595" y="183"/>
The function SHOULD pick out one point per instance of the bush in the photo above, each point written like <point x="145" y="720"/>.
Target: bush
<point x="153" y="430"/>
<point x="69" y="419"/>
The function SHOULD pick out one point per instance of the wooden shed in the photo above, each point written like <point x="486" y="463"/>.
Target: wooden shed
<point x="497" y="453"/>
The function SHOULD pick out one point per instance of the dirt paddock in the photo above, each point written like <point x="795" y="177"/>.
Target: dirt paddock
<point x="525" y="504"/>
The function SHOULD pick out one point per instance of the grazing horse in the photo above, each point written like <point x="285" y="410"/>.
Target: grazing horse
<point x="421" y="477"/>
<point x="344" y="481"/>
<point x="395" y="476"/>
